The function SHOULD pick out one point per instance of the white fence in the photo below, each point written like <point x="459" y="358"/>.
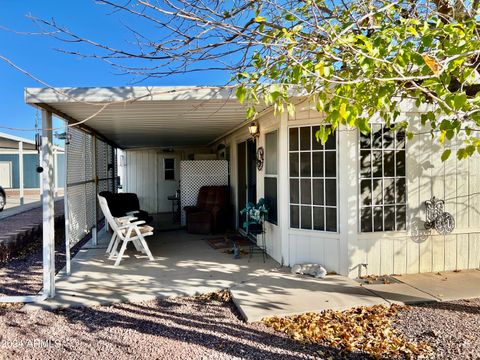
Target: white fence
<point x="90" y="169"/>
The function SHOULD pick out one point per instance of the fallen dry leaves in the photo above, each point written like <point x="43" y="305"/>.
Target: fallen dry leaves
<point x="363" y="329"/>
<point x="376" y="279"/>
<point x="4" y="307"/>
<point x="222" y="295"/>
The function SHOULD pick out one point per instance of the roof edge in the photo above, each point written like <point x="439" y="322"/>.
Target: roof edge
<point x="105" y="95"/>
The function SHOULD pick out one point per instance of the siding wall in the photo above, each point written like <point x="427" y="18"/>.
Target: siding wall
<point x="142" y="177"/>
<point x="144" y="169"/>
<point x="418" y="250"/>
<point x="411" y="251"/>
<point x="30" y="175"/>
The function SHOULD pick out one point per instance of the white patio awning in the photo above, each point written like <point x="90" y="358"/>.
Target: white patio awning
<point x="141" y="117"/>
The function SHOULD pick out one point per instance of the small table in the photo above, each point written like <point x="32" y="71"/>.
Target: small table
<point x="175" y="213"/>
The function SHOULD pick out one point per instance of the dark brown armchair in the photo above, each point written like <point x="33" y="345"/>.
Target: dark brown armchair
<point x="210" y="215"/>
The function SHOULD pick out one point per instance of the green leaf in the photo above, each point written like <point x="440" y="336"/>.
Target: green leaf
<point x="297" y="73"/>
<point x="343" y="111"/>
<point x="319" y="105"/>
<point x="322" y="134"/>
<point x="251" y="113"/>
<point x="412" y="31"/>
<point x="441" y="138"/>
<point x="445" y="125"/>
<point x="241" y="93"/>
<point x="260" y="19"/>
<point x="291" y="109"/>
<point x="327" y="71"/>
<point x="320" y="68"/>
<point x="459" y="100"/>
<point x="363" y="126"/>
<point x="470" y="149"/>
<point x="423" y="119"/>
<point x="461" y="154"/>
<point x="450" y="134"/>
<point x="446" y="154"/>
<point x="290" y="17"/>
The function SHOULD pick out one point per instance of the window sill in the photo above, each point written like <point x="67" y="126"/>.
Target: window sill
<point x="382" y="234"/>
<point x="315" y="233"/>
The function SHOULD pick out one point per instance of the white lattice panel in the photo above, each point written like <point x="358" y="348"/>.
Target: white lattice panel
<point x="88" y="160"/>
<point x="197" y="173"/>
<point x="76" y="157"/>
<point x="77" y="213"/>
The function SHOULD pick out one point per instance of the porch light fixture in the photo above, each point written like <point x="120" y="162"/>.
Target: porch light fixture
<point x="253" y="129"/>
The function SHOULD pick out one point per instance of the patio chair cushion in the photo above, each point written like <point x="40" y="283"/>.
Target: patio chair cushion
<point x="122" y="203"/>
<point x="144" y="229"/>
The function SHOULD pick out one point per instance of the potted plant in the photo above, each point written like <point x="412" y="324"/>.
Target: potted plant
<point x="254" y="216"/>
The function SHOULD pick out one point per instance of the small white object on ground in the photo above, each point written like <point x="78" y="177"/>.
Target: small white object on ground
<point x="315" y="270"/>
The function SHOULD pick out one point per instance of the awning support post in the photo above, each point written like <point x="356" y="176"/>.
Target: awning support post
<point x="68" y="260"/>
<point x="47" y="181"/>
<point x="20" y="173"/>
<point x="95" y="191"/>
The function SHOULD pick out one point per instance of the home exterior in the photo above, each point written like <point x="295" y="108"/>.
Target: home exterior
<point x="19" y="160"/>
<point x="355" y="205"/>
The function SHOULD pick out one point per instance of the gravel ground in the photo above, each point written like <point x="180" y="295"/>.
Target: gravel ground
<point x="181" y="328"/>
<point x="23" y="274"/>
<point x="451" y="328"/>
<point x="193" y="328"/>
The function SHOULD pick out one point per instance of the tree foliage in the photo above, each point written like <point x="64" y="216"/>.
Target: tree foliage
<point x="372" y="58"/>
<point x="353" y="59"/>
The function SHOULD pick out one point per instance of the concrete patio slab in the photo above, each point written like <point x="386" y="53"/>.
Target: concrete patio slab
<point x="281" y="293"/>
<point x="446" y="286"/>
<point x="400" y="293"/>
<point x="184" y="265"/>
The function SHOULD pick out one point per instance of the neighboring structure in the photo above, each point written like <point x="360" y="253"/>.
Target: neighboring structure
<point x="19" y="160"/>
<point x="355" y="205"/>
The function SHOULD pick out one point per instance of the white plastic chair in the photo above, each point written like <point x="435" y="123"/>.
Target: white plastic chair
<point x="125" y="229"/>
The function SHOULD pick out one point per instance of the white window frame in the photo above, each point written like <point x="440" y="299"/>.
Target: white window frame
<point x="165" y="169"/>
<point x="311" y="178"/>
<point x="268" y="175"/>
<point x="382" y="178"/>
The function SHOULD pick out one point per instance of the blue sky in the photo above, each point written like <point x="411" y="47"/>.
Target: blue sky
<point x="37" y="55"/>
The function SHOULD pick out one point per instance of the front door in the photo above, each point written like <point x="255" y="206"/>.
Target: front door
<point x="6" y="174"/>
<point x="167" y="180"/>
<point x="247" y="176"/>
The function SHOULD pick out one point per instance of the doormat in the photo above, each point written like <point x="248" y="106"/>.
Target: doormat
<point x="226" y="242"/>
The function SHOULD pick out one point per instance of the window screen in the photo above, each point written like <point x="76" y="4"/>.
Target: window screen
<point x="313" y="180"/>
<point x="382" y="180"/>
